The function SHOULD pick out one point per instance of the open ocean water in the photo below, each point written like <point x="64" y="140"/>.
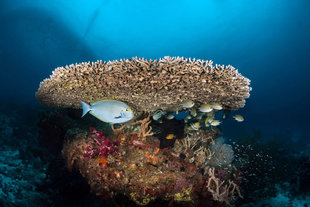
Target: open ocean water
<point x="267" y="41"/>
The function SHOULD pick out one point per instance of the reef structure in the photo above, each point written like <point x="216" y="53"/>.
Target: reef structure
<point x="197" y="169"/>
<point x="130" y="164"/>
<point x="146" y="85"/>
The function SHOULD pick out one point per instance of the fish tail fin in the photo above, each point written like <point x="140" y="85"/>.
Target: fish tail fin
<point x="86" y="108"/>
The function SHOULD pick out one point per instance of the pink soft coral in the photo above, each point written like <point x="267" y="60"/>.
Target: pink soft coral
<point x="102" y="146"/>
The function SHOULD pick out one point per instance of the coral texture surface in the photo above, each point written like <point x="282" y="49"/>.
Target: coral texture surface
<point x="146" y="85"/>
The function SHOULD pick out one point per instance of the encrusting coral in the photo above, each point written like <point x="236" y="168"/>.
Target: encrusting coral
<point x="146" y="85"/>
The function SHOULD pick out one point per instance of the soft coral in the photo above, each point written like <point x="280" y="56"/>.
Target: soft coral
<point x="102" y="146"/>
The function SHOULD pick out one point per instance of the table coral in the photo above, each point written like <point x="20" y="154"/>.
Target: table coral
<point x="138" y="161"/>
<point x="146" y="85"/>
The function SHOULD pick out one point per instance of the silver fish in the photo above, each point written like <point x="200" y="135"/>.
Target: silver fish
<point x="110" y="111"/>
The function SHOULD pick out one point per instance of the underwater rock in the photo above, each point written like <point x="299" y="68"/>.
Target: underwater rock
<point x="19" y="180"/>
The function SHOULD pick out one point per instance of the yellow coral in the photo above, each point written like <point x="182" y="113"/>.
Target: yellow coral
<point x="141" y="201"/>
<point x="185" y="195"/>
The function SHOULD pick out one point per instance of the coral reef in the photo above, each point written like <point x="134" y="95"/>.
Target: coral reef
<point x="146" y="85"/>
<point x="136" y="166"/>
<point x="253" y="169"/>
<point x="102" y="146"/>
<point x="178" y="161"/>
<point x="19" y="180"/>
<point x="223" y="154"/>
<point x="22" y="172"/>
<point x="220" y="192"/>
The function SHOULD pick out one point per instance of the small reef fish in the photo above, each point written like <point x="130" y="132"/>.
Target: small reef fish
<point x="195" y="126"/>
<point x="226" y="114"/>
<point x="188" y="104"/>
<point x="238" y="118"/>
<point x="211" y="114"/>
<point x="158" y="114"/>
<point x="207" y="123"/>
<point x="109" y="111"/>
<point x="217" y="106"/>
<point x="170" y="136"/>
<point x="188" y="117"/>
<point x="170" y="116"/>
<point x="205" y="108"/>
<point x="193" y="112"/>
<point x="215" y="122"/>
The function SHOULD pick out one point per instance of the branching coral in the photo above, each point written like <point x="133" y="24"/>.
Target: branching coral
<point x="186" y="146"/>
<point x="146" y="85"/>
<point x="194" y="147"/>
<point x="144" y="129"/>
<point x="220" y="192"/>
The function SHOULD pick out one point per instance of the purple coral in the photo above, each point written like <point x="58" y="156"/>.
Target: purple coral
<point x="101" y="147"/>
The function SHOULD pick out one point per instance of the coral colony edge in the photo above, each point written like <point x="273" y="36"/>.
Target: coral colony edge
<point x="156" y="155"/>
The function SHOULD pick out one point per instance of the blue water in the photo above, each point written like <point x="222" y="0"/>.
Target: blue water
<point x="268" y="41"/>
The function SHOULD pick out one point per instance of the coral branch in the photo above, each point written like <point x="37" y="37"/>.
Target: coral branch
<point x="120" y="129"/>
<point x="220" y="192"/>
<point x="145" y="129"/>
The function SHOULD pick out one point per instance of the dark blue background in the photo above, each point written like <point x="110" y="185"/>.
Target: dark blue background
<point x="268" y="41"/>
